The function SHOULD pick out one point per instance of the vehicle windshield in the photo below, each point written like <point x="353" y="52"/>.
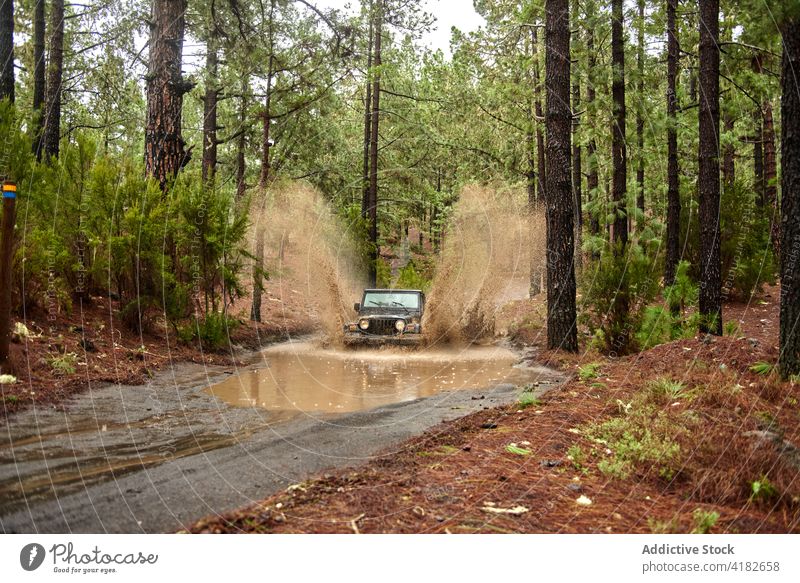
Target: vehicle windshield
<point x="388" y="299"/>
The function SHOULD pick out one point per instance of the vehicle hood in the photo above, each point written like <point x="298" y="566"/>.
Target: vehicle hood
<point x="387" y="313"/>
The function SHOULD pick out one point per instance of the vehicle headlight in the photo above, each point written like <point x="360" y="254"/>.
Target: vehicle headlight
<point x="400" y="325"/>
<point x="363" y="324"/>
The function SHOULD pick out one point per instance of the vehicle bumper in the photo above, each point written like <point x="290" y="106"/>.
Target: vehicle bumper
<point x="355" y="338"/>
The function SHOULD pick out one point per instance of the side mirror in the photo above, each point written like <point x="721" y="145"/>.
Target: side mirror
<point x="356" y="307"/>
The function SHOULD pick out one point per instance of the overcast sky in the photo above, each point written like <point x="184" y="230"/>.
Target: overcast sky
<point x="448" y="13"/>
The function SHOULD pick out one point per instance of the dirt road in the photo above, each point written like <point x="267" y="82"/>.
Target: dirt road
<point x="158" y="457"/>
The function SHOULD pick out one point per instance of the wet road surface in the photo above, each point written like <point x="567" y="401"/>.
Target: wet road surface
<point x="200" y="440"/>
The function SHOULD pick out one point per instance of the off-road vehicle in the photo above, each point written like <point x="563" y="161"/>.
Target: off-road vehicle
<point x="387" y="316"/>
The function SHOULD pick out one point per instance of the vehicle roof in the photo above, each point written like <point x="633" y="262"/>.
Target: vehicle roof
<point x="412" y="291"/>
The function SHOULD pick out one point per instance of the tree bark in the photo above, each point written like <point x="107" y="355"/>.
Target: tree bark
<point x="789" y="359"/>
<point x="372" y="207"/>
<point x="55" y="70"/>
<point x="266" y="114"/>
<point x="210" y="113"/>
<point x="538" y="269"/>
<point x="258" y="267"/>
<point x="241" y="143"/>
<point x="164" y="147"/>
<point x="561" y="314"/>
<point x="7" y="50"/>
<point x="367" y="121"/>
<point x="38" y="76"/>
<point x="758" y="159"/>
<point x="673" y="183"/>
<point x="708" y="176"/>
<point x="771" y="178"/>
<point x="618" y="149"/>
<point x="728" y="153"/>
<point x="592" y="178"/>
<point x="640" y="115"/>
<point x="576" y="172"/>
<point x="537" y="94"/>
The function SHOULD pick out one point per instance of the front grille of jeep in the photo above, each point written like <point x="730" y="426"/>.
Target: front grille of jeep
<point x="382" y="326"/>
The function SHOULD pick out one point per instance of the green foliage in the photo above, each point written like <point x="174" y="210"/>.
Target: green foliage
<point x="664" y="389"/>
<point x="616" y="289"/>
<point x="212" y="331"/>
<point x="683" y="292"/>
<point x="670" y="526"/>
<point x="643" y="436"/>
<point x="63" y="364"/>
<point x="660" y="324"/>
<point x="589" y="371"/>
<point x="762" y="368"/>
<point x="746" y="252"/>
<point x="408" y="278"/>
<point x="732" y="328"/>
<point x="762" y="490"/>
<point x="383" y="273"/>
<point x="516" y="450"/>
<point x="703" y="520"/>
<point x="576" y="455"/>
<point x="527" y="399"/>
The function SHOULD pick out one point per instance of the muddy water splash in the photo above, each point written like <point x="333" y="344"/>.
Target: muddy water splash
<point x="488" y="250"/>
<point x="309" y="252"/>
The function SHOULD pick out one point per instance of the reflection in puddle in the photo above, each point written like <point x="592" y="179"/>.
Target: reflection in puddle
<point x="301" y="377"/>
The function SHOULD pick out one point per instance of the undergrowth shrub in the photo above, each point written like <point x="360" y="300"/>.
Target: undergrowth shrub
<point x="616" y="289"/>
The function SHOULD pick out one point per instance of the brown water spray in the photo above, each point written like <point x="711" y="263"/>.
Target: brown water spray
<point x="491" y="242"/>
<point x="310" y="253"/>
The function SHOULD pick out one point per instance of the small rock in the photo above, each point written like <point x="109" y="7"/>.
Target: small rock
<point x="489" y="425"/>
<point x="550" y="463"/>
<point x="466" y="448"/>
<point x="478" y="398"/>
<point x="575" y="487"/>
<point x="583" y="501"/>
<point x="753" y="342"/>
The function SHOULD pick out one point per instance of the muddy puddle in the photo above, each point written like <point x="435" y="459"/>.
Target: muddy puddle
<point x="109" y="431"/>
<point x="300" y="377"/>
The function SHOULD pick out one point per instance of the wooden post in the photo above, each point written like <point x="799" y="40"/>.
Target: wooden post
<point x="6" y="251"/>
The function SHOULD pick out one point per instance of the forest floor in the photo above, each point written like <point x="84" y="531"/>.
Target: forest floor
<point x="90" y="346"/>
<point x="684" y="437"/>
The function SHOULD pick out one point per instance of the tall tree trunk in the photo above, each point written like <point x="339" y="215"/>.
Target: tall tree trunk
<point x="673" y="183"/>
<point x="210" y="113"/>
<point x="7" y="50"/>
<point x="538" y="268"/>
<point x="258" y="267"/>
<point x="38" y="76"/>
<point x="561" y="314"/>
<point x="789" y="359"/>
<point x="619" y="339"/>
<point x="367" y="120"/>
<point x="537" y="94"/>
<point x="771" y="177"/>
<point x="55" y="69"/>
<point x="640" y="114"/>
<point x="576" y="171"/>
<point x="758" y="159"/>
<point x="241" y="142"/>
<point x="728" y="153"/>
<point x="577" y="177"/>
<point x="373" y="149"/>
<point x="618" y="149"/>
<point x="708" y="175"/>
<point x="593" y="177"/>
<point x="164" y="153"/>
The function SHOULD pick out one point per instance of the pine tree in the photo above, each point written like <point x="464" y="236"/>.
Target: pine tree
<point x="561" y="313"/>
